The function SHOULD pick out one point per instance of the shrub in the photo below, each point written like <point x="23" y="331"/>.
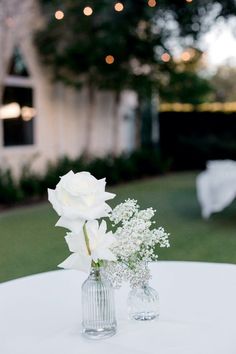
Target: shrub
<point x="30" y="184"/>
<point x="60" y="168"/>
<point x="10" y="192"/>
<point x="100" y="167"/>
<point x="127" y="167"/>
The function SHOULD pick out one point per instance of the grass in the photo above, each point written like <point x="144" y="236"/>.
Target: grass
<point x="30" y="244"/>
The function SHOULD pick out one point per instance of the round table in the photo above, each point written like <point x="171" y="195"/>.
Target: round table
<point x="41" y="314"/>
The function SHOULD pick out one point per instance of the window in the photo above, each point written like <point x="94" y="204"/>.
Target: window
<point x="17" y="111"/>
<point x="17" y="65"/>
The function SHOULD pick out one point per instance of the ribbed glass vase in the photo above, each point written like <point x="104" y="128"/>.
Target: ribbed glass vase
<point x="98" y="306"/>
<point x="143" y="303"/>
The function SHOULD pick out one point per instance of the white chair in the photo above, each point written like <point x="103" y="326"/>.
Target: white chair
<point x="216" y="187"/>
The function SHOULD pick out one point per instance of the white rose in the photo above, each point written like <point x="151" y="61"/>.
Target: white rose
<point x="79" y="197"/>
<point x="97" y="247"/>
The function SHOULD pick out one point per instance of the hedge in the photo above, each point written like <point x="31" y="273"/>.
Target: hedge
<point x="127" y="167"/>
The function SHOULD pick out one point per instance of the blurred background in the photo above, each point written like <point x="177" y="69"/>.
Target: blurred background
<point x="141" y="92"/>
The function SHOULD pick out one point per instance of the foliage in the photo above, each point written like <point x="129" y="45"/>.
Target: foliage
<point x="224" y="84"/>
<point x="10" y="193"/>
<point x="75" y="48"/>
<point x="62" y="166"/>
<point x="81" y="59"/>
<point x="185" y="83"/>
<point x="136" y="37"/>
<point x="32" y="186"/>
<point x="186" y="87"/>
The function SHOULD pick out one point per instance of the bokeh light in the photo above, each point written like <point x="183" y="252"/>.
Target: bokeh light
<point x="152" y="3"/>
<point x="165" y="57"/>
<point x="109" y="59"/>
<point x="185" y="56"/>
<point x="28" y="113"/>
<point x="88" y="11"/>
<point x="59" y="15"/>
<point x="119" y="6"/>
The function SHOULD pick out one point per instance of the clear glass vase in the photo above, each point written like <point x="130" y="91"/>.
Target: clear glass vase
<point x="98" y="306"/>
<point x="143" y="303"/>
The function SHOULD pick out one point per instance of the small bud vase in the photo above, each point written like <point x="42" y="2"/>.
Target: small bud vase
<point x="143" y="303"/>
<point x="98" y="306"/>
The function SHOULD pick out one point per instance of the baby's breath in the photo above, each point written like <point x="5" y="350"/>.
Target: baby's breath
<point x="124" y="211"/>
<point x="136" y="243"/>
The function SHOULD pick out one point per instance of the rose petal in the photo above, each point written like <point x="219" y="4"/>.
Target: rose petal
<point x="109" y="196"/>
<point x="103" y="253"/>
<point x="72" y="225"/>
<point x="103" y="227"/>
<point x="77" y="261"/>
<point x="53" y="200"/>
<point x="89" y="213"/>
<point x="68" y="175"/>
<point x="92" y="231"/>
<point x="76" y="242"/>
<point x="85" y="173"/>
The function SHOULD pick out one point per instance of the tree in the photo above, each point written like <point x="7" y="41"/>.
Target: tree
<point x="224" y="84"/>
<point x="105" y="53"/>
<point x="116" y="50"/>
<point x="184" y="83"/>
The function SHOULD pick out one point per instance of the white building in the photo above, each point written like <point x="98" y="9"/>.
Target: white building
<point x="41" y="120"/>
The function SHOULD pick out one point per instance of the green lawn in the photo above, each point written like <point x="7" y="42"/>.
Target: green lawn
<point x="29" y="242"/>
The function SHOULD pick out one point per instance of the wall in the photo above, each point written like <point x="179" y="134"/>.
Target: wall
<point x="61" y="125"/>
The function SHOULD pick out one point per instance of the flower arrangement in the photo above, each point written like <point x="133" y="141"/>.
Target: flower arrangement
<point x="124" y="252"/>
<point x="80" y="199"/>
<point x="136" y="243"/>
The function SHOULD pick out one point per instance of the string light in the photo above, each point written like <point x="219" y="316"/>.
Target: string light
<point x="10" y="110"/>
<point x="189" y="1"/>
<point x="185" y="56"/>
<point x="59" y="15"/>
<point x="109" y="59"/>
<point x="88" y="11"/>
<point x="119" y="7"/>
<point x="203" y="107"/>
<point x="165" y="57"/>
<point x="28" y="113"/>
<point x="152" y="3"/>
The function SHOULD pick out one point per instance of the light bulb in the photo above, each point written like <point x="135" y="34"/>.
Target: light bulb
<point x="109" y="59"/>
<point x="119" y="7"/>
<point x="165" y="57"/>
<point x="88" y="11"/>
<point x="59" y="15"/>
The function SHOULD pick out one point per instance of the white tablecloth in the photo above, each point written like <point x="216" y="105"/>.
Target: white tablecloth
<point x="41" y="314"/>
<point x="216" y="187"/>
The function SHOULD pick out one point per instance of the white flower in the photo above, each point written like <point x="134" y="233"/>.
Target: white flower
<point x="79" y="197"/>
<point x="136" y="243"/>
<point x="146" y="214"/>
<point x="92" y="243"/>
<point x="124" y="211"/>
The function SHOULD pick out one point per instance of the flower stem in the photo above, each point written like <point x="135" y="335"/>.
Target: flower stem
<point x="86" y="239"/>
<point x="96" y="265"/>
